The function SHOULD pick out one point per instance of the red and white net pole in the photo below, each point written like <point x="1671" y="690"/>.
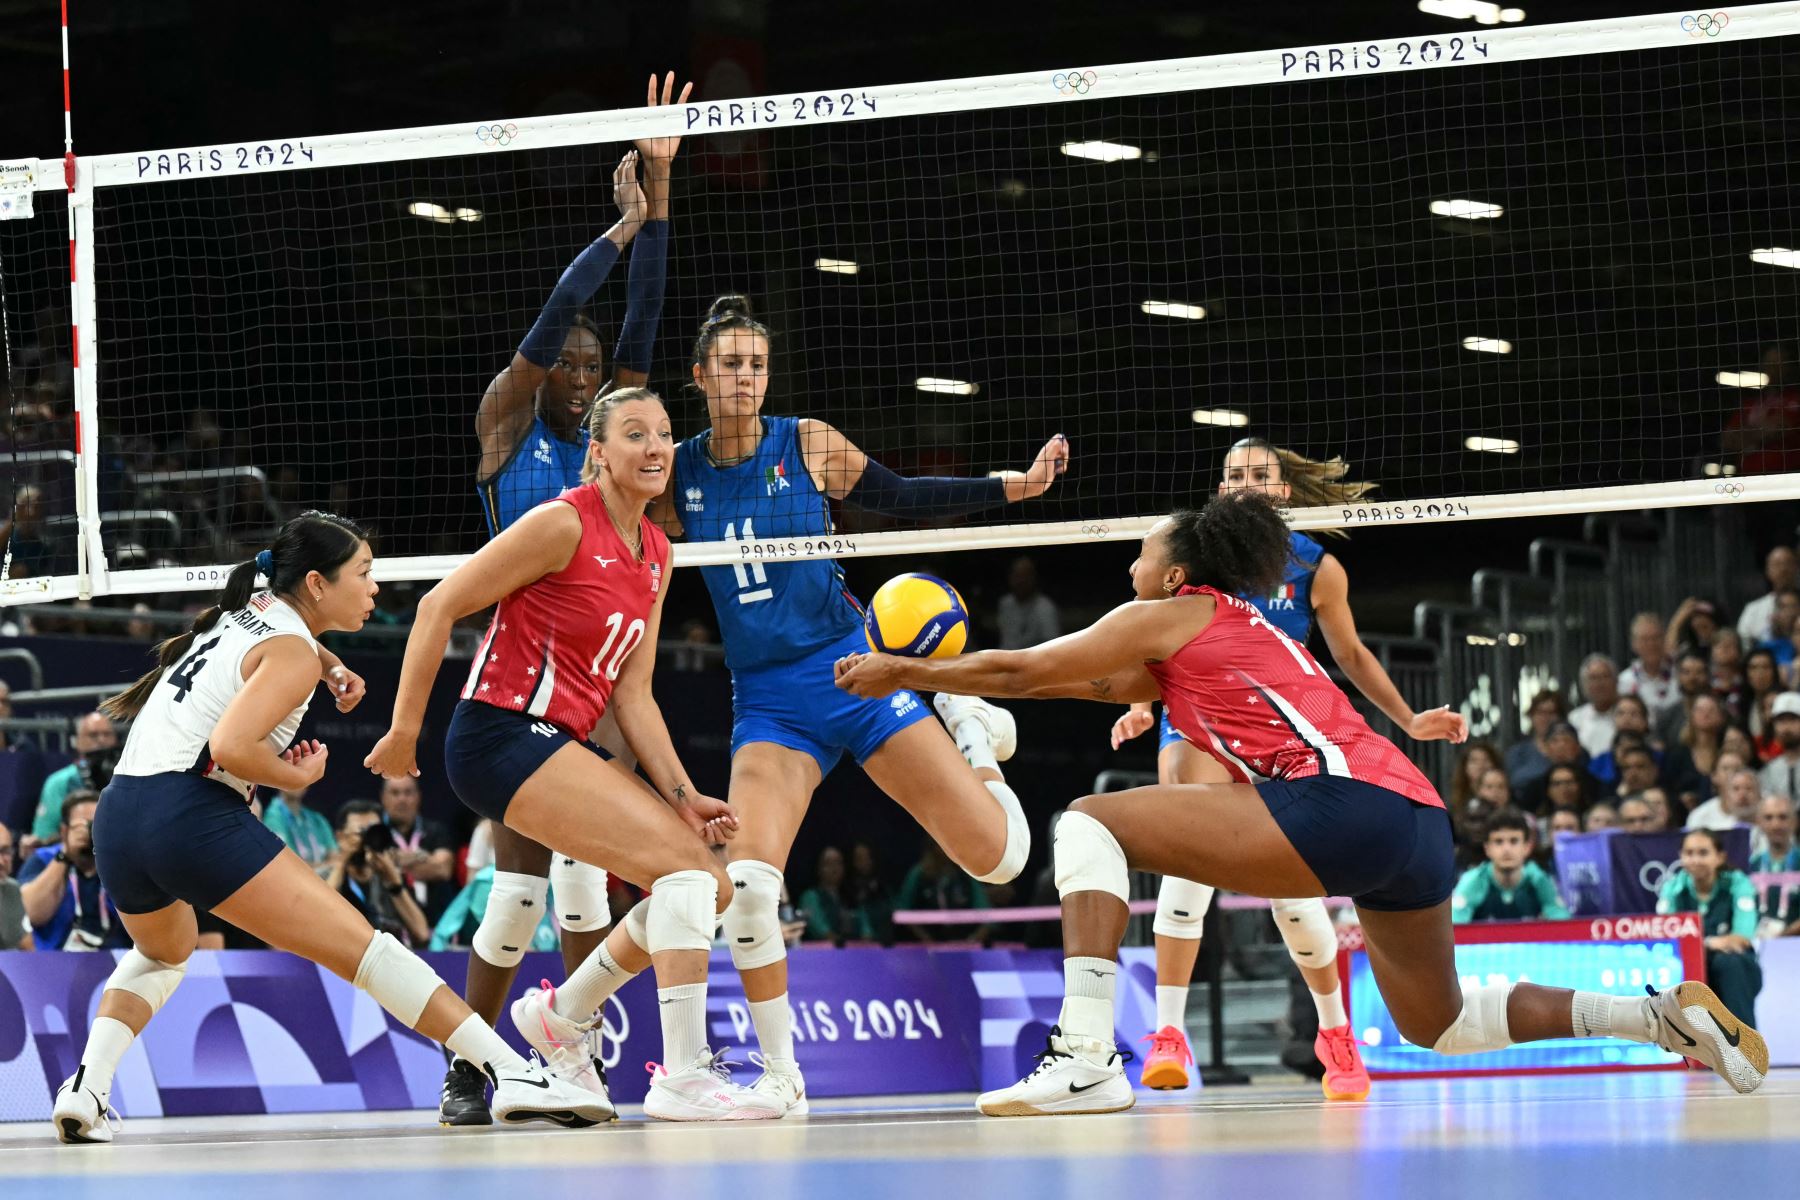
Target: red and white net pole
<point x="88" y="560"/>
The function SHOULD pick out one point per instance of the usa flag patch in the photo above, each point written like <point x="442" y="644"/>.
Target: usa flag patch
<point x="261" y="601"/>
<point x="655" y="578"/>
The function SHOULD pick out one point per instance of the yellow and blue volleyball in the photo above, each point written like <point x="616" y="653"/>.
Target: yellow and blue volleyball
<point x="917" y="615"/>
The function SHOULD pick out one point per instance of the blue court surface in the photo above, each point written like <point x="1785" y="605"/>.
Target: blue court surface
<point x="1643" y="1136"/>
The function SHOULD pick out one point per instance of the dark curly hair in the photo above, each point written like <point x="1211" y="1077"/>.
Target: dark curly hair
<point x="1237" y="543"/>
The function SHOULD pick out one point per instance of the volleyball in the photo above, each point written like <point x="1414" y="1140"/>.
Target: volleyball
<point x="917" y="615"/>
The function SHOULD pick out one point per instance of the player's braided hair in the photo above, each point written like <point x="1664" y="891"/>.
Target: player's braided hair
<point x="312" y="541"/>
<point x="1311" y="483"/>
<point x="1236" y="543"/>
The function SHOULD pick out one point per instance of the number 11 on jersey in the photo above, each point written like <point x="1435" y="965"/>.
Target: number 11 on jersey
<point x="754" y="574"/>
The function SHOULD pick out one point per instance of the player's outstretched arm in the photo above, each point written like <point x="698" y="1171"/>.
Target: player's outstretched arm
<point x="1103" y="662"/>
<point x="1331" y="605"/>
<point x="538" y="543"/>
<point x="844" y="472"/>
<point x="641" y="721"/>
<point x="645" y="286"/>
<point x="507" y="405"/>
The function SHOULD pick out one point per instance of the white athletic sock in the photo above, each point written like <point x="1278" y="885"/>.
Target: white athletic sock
<point x="107" y="1043"/>
<point x="683" y="1010"/>
<point x="1331" y="1009"/>
<point x="1087" y="1009"/>
<point x="1596" y="1014"/>
<point x="1171" y="1007"/>
<point x="977" y="748"/>
<point x="774" y="1023"/>
<point x="598" y="977"/>
<point x="475" y="1041"/>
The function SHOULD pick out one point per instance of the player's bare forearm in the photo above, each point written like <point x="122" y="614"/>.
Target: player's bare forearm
<point x="419" y="667"/>
<point x="641" y="722"/>
<point x="1003" y="674"/>
<point x="1365" y="671"/>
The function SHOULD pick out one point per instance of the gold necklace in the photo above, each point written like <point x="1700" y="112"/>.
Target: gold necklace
<point x="636" y="546"/>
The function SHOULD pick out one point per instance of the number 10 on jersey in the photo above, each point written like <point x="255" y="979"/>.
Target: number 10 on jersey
<point x="634" y="633"/>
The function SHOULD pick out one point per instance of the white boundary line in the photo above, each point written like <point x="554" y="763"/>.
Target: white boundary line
<point x="1371" y="57"/>
<point x="1457" y="509"/>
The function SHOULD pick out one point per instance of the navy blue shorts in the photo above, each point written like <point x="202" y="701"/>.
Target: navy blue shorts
<point x="490" y="752"/>
<point x="169" y="837"/>
<point x="799" y="705"/>
<point x="1375" y="846"/>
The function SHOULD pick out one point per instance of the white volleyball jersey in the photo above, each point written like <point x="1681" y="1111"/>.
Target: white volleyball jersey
<point x="172" y="731"/>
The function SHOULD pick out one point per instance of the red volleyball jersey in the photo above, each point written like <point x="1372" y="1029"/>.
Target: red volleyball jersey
<point x="555" y="647"/>
<point x="1254" y="699"/>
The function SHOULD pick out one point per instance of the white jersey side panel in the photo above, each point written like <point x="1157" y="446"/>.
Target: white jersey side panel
<point x="172" y="731"/>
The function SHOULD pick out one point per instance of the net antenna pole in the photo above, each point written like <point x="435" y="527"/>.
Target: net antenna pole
<point x="89" y="560"/>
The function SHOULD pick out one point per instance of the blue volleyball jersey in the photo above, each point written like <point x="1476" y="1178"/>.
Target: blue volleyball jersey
<point x="541" y="468"/>
<point x="768" y="612"/>
<point x="1289" y="606"/>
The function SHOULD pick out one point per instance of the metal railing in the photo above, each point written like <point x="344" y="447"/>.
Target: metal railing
<point x="33" y="667"/>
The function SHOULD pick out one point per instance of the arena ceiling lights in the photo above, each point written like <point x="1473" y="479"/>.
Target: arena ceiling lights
<point x="1101" y="151"/>
<point x="1169" y="308"/>
<point x="1228" y="417"/>
<point x="946" y="387"/>
<point x="1487" y="345"/>
<point x="1467" y="210"/>
<point x="836" y="266"/>
<point x="1491" y="445"/>
<point x="437" y="213"/>
<point x="1478" y="11"/>
<point x="1743" y="379"/>
<point x="1777" y="256"/>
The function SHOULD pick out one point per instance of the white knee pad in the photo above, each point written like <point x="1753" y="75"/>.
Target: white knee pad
<point x="515" y="905"/>
<point x="1018" y="837"/>
<point x="1306" y="927"/>
<point x="683" y="912"/>
<point x="579" y="892"/>
<point x="753" y="922"/>
<point x="1481" y="1025"/>
<point x="1088" y="858"/>
<point x="1181" y="906"/>
<point x="637" y="924"/>
<point x="397" y="979"/>
<point x="146" y="978"/>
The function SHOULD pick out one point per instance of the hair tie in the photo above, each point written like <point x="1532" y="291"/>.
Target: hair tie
<point x="265" y="563"/>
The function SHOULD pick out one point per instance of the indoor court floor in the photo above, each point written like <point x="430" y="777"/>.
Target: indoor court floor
<point x="1644" y="1136"/>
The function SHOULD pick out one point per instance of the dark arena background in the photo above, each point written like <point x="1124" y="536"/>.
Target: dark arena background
<point x="1530" y="273"/>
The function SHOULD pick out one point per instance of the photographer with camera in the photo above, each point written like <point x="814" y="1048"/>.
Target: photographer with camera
<point x="67" y="906"/>
<point x="364" y="870"/>
<point x="96" y="753"/>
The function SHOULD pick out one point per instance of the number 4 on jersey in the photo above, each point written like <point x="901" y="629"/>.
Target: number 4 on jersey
<point x="182" y="677"/>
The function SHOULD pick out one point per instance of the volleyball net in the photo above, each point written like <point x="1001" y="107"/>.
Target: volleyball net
<point x="1505" y="272"/>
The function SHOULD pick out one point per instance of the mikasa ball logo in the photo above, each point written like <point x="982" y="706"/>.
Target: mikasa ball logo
<point x="929" y="639"/>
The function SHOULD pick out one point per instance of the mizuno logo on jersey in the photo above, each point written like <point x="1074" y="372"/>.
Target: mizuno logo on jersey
<point x="696" y="500"/>
<point x="604" y="561"/>
<point x="775" y="479"/>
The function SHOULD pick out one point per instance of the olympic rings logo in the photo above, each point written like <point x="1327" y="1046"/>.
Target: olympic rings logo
<point x="499" y="135"/>
<point x="1074" y="83"/>
<point x="1098" y="531"/>
<point x="1705" y="24"/>
<point x="1728" y="489"/>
